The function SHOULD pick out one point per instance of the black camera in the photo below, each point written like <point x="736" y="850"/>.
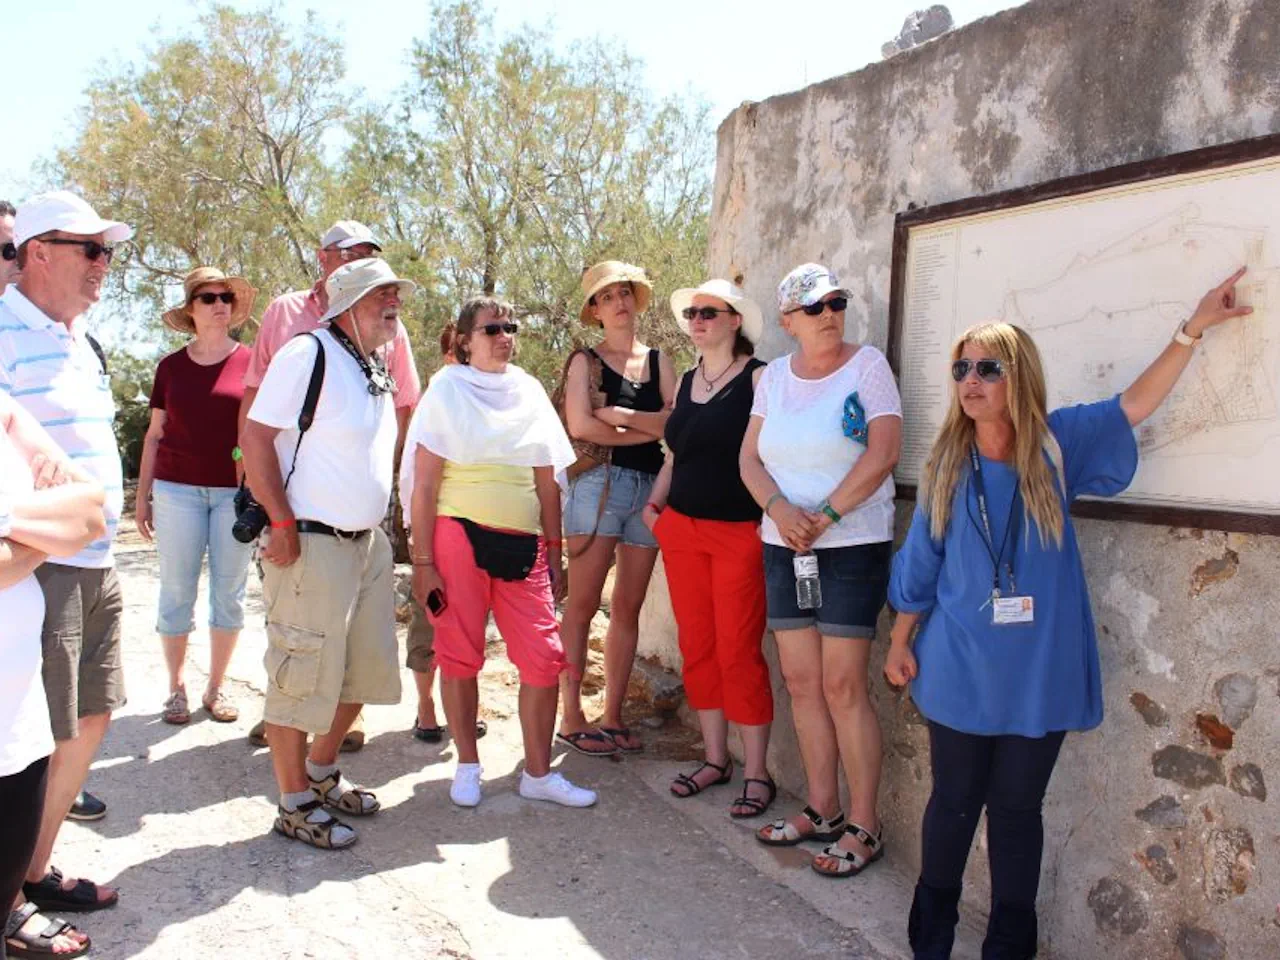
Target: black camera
<point x="251" y="518"/>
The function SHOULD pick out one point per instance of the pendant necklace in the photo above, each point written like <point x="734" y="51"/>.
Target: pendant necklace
<point x="711" y="382"/>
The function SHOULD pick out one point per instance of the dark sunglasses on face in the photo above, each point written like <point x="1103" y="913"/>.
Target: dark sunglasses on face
<point x="989" y="371"/>
<point x="706" y="313"/>
<point x="92" y="248"/>
<point x="209" y="299"/>
<point x="815" y="309"/>
<point x="511" y="328"/>
<point x="8" y="251"/>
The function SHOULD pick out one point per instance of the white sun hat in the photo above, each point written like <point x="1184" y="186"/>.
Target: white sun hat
<point x="733" y="295"/>
<point x="353" y="280"/>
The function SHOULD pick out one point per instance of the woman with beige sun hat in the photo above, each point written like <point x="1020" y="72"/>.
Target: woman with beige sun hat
<point x="188" y="477"/>
<point x="603" y="512"/>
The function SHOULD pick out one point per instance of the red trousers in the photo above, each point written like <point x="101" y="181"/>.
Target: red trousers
<point x="715" y="575"/>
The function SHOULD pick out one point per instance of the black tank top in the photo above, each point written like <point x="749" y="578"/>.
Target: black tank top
<point x="705" y="439"/>
<point x="645" y="397"/>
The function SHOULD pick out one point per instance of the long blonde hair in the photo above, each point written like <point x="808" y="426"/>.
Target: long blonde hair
<point x="1017" y="353"/>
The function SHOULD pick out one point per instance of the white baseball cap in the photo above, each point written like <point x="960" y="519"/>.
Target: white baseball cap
<point x="353" y="280"/>
<point x="348" y="233"/>
<point x="63" y="210"/>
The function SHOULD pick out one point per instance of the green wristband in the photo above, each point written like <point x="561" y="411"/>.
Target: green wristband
<point x="770" y="502"/>
<point x="236" y="454"/>
<point x="830" y="511"/>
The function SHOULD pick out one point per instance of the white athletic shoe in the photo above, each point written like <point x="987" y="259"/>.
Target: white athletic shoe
<point x="465" y="791"/>
<point x="557" y="789"/>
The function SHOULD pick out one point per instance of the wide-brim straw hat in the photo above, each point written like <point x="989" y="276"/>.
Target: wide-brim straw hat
<point x="733" y="295"/>
<point x="595" y="279"/>
<point x="352" y="281"/>
<point x="179" y="318"/>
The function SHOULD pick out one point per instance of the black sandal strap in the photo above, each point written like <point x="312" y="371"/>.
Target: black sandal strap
<point x="864" y="836"/>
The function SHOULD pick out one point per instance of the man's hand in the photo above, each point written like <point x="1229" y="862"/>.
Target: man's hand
<point x="282" y="546"/>
<point x="47" y="472"/>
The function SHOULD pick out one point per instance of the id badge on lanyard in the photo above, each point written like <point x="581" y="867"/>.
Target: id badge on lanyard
<point x="1009" y="610"/>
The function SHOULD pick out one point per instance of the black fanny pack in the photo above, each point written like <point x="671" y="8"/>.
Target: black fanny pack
<point x="507" y="556"/>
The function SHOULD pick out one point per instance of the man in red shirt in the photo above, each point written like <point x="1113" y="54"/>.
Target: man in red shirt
<point x="299" y="312"/>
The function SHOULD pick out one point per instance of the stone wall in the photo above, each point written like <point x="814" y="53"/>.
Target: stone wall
<point x="1161" y="840"/>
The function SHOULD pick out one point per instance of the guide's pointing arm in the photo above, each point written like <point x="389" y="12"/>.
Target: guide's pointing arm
<point x="1146" y="393"/>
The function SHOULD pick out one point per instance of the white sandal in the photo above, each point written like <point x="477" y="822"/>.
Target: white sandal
<point x="848" y="863"/>
<point x="783" y="833"/>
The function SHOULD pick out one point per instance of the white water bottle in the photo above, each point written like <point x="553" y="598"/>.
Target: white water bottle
<point x="808" y="586"/>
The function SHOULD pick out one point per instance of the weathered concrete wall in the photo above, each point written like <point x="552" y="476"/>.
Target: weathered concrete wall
<point x="1161" y="839"/>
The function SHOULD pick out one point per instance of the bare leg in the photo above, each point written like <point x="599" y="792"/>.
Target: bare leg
<point x="631" y="583"/>
<point x="67" y="769"/>
<point x="844" y="684"/>
<point x="715" y="742"/>
<point x="587" y="573"/>
<point x="755" y="746"/>
<point x="324" y="748"/>
<point x="222" y="644"/>
<point x="460" y="697"/>
<point x="175" y="658"/>
<point x="425" y="682"/>
<point x="288" y="758"/>
<point x="537" y="724"/>
<point x="800" y="652"/>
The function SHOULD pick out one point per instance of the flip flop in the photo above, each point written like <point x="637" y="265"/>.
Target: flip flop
<point x="571" y="740"/>
<point x="613" y="733"/>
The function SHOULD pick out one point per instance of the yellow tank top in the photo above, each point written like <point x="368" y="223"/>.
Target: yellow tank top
<point x="491" y="495"/>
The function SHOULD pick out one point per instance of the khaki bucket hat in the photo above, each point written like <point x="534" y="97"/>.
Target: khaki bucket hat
<point x="595" y="279"/>
<point x="179" y="318"/>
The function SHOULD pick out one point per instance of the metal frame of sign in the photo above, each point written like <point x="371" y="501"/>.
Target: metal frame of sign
<point x="1193" y="161"/>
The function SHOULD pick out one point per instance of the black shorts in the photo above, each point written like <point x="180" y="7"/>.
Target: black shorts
<point x="855" y="582"/>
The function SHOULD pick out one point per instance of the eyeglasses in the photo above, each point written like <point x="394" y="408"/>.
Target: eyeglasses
<point x="209" y="299"/>
<point x="511" y="328"/>
<point x="92" y="248"/>
<point x="815" y="309"/>
<point x="8" y="251"/>
<point x="706" y="313"/>
<point x="989" y="371"/>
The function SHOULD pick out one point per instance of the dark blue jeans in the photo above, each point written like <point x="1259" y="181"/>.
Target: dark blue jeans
<point x="1008" y="775"/>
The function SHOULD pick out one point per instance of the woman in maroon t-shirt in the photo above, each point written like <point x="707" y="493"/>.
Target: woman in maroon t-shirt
<point x="188" y="479"/>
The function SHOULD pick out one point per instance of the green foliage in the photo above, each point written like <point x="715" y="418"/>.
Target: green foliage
<point x="503" y="166"/>
<point x="131" y="378"/>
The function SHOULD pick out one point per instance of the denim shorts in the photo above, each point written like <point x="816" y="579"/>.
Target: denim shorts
<point x="855" y="581"/>
<point x="628" y="493"/>
<point x="189" y="521"/>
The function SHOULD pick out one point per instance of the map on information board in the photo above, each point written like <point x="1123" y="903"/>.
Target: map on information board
<point x="1102" y="279"/>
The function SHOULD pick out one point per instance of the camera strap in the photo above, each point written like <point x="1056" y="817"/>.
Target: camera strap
<point x="309" y="402"/>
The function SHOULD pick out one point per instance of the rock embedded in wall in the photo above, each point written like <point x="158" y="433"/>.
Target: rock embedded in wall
<point x="1197" y="944"/>
<point x="1247" y="780"/>
<point x="1116" y="908"/>
<point x="1229" y="861"/>
<point x="1164" y="812"/>
<point x="1155" y="860"/>
<point x="1192" y="770"/>
<point x="1153" y="715"/>
<point x="1237" y="694"/>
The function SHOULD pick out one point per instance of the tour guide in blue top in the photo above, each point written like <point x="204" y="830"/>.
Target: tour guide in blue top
<point x="1006" y="660"/>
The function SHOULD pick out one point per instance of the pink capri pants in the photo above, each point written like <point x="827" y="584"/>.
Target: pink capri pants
<point x="523" y="609"/>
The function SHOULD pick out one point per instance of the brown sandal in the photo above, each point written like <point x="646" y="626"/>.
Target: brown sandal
<point x="220" y="708"/>
<point x="351" y="802"/>
<point x="19" y="944"/>
<point x="176" y="710"/>
<point x="294" y="825"/>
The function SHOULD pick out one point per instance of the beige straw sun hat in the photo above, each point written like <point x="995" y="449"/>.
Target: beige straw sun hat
<point x="595" y="279"/>
<point x="179" y="318"/>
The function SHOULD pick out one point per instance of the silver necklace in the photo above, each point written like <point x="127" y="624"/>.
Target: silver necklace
<point x="712" y="381"/>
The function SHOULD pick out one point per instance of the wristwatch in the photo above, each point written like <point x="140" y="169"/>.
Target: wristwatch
<point x="1183" y="338"/>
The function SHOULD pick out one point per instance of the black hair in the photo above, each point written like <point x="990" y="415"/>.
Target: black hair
<point x="7" y="209"/>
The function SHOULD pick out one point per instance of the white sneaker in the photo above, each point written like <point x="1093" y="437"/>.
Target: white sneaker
<point x="465" y="791"/>
<point x="557" y="789"/>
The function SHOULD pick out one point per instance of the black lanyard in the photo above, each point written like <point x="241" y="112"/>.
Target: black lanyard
<point x="380" y="380"/>
<point x="988" y="539"/>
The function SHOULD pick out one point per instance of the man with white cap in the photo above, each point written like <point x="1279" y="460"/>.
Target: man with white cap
<point x="8" y="249"/>
<point x="328" y="573"/>
<point x="301" y="312"/>
<point x="50" y="365"/>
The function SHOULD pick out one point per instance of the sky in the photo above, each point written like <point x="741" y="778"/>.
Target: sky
<point x="724" y="51"/>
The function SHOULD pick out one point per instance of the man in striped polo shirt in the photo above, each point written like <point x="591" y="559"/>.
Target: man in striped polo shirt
<point x="49" y="365"/>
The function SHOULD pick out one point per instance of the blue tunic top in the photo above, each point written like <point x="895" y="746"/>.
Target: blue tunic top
<point x="1024" y="679"/>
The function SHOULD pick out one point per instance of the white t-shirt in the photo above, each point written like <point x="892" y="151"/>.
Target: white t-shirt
<point x="24" y="711"/>
<point x="804" y="447"/>
<point x="343" y="476"/>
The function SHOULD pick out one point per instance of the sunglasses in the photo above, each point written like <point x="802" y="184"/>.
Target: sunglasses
<point x="706" y="313"/>
<point x="815" y="309"/>
<point x="989" y="371"/>
<point x="92" y="248"/>
<point x="8" y="251"/>
<point x="209" y="299"/>
<point x="511" y="328"/>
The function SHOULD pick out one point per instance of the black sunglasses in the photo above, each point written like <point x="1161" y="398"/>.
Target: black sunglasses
<point x="92" y="248"/>
<point x="706" y="313"/>
<point x="493" y="329"/>
<point x="815" y="309"/>
<point x="8" y="251"/>
<point x="989" y="371"/>
<point x="209" y="299"/>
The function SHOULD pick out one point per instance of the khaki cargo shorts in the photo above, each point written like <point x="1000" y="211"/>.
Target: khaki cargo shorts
<point x="420" y="646"/>
<point x="330" y="630"/>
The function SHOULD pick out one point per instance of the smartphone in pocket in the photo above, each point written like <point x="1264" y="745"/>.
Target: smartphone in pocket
<point x="436" y="602"/>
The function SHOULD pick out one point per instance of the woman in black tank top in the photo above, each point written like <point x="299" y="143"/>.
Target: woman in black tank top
<point x="707" y="525"/>
<point x="603" y="512"/>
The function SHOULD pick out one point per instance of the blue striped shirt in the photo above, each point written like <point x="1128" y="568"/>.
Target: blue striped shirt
<point x="54" y="373"/>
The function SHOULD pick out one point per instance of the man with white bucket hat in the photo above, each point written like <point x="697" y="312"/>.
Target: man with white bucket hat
<point x="328" y="571"/>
